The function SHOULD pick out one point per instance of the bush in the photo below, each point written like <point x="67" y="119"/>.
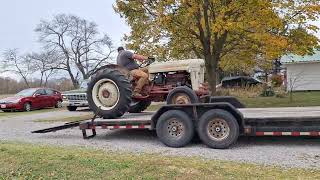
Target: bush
<point x="280" y="92"/>
<point x="267" y="92"/>
<point x="245" y="92"/>
<point x="276" y="80"/>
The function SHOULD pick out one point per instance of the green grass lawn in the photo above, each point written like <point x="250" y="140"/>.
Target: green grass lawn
<point x="9" y="114"/>
<point x="26" y="161"/>
<point x="300" y="99"/>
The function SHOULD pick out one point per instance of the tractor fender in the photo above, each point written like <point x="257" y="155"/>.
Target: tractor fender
<point x="113" y="66"/>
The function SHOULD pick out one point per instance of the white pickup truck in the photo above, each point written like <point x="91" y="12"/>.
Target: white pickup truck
<point x="76" y="98"/>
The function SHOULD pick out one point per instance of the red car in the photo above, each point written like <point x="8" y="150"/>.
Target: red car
<point x="33" y="98"/>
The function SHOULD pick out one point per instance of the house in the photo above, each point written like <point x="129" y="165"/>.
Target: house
<point x="302" y="72"/>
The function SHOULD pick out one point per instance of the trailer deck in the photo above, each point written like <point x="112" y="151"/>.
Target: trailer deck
<point x="276" y="114"/>
<point x="289" y="121"/>
<point x="283" y="112"/>
<point x="252" y="116"/>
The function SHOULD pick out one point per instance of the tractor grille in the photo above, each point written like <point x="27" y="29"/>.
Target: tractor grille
<point x="77" y="97"/>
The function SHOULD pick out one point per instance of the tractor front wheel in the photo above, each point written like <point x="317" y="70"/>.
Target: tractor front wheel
<point x="109" y="93"/>
<point x="182" y="95"/>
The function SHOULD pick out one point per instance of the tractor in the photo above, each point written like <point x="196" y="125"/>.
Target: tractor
<point x="109" y="92"/>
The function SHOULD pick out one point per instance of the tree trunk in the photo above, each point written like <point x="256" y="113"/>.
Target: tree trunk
<point x="26" y="81"/>
<point x="75" y="82"/>
<point x="211" y="72"/>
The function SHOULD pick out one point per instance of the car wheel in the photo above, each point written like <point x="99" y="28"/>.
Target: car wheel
<point x="27" y="107"/>
<point x="58" y="104"/>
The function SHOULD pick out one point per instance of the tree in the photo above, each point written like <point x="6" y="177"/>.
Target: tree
<point x="81" y="48"/>
<point x="216" y="30"/>
<point x="45" y="63"/>
<point x="19" y="65"/>
<point x="294" y="81"/>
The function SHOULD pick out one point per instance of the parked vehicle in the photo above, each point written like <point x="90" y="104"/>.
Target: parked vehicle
<point x="239" y="81"/>
<point x="33" y="98"/>
<point x="76" y="98"/>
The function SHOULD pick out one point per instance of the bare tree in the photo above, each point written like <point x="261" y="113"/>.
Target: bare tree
<point x="19" y="65"/>
<point x="78" y="41"/>
<point x="45" y="63"/>
<point x="294" y="81"/>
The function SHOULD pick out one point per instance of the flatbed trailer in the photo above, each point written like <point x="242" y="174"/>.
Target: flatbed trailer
<point x="218" y="124"/>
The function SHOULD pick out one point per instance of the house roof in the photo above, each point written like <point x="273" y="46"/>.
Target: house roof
<point x="291" y="58"/>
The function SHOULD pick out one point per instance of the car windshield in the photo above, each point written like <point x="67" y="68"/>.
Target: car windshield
<point x="84" y="84"/>
<point x="26" y="92"/>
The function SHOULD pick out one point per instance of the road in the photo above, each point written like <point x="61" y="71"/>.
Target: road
<point x="283" y="151"/>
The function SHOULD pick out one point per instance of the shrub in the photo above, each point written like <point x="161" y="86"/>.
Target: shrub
<point x="248" y="91"/>
<point x="280" y="92"/>
<point x="276" y="80"/>
<point x="267" y="92"/>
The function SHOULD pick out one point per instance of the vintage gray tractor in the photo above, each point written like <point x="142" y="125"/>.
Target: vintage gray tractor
<point x="177" y="82"/>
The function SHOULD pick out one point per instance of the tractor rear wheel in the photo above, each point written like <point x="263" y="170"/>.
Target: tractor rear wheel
<point x="109" y="93"/>
<point x="182" y="95"/>
<point x="137" y="107"/>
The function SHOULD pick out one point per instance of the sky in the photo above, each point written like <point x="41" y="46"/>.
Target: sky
<point x="20" y="17"/>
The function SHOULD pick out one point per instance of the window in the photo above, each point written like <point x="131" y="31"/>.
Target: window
<point x="50" y="92"/>
<point x="26" y="92"/>
<point x="41" y="92"/>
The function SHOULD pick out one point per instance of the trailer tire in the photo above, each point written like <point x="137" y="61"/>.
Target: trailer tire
<point x="175" y="128"/>
<point x="137" y="107"/>
<point x="218" y="129"/>
<point x="182" y="95"/>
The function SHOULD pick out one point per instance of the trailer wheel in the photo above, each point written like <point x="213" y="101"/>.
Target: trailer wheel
<point x="182" y="95"/>
<point x="218" y="129"/>
<point x="175" y="128"/>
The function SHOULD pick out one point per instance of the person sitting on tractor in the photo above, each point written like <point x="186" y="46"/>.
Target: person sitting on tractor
<point x="127" y="59"/>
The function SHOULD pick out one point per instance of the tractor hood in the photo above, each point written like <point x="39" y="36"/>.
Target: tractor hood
<point x="179" y="65"/>
<point x="195" y="67"/>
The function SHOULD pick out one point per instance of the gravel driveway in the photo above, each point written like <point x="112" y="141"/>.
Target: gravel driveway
<point x="283" y="151"/>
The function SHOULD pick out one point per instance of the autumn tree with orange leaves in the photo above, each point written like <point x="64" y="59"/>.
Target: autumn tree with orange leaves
<point x="225" y="33"/>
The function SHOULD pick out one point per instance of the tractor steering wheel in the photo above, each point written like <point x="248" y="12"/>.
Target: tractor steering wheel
<point x="147" y="62"/>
